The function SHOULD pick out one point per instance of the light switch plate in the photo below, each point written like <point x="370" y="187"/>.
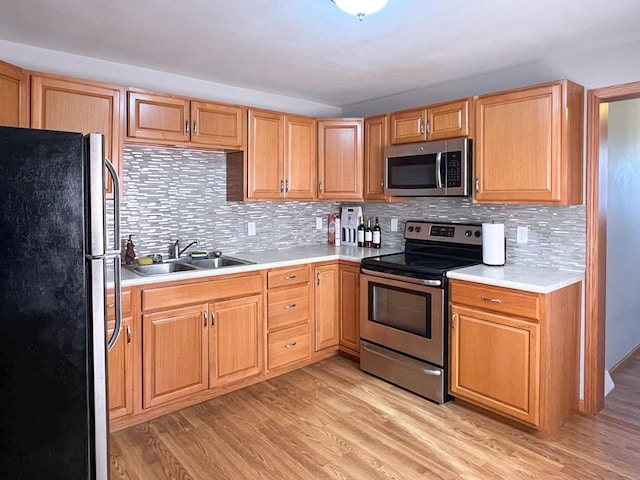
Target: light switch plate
<point x="251" y="228"/>
<point x="522" y="234"/>
<point x="394" y="224"/>
<point x="318" y="223"/>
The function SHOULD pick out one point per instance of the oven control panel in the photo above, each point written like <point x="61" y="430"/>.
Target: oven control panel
<point x="468" y="233"/>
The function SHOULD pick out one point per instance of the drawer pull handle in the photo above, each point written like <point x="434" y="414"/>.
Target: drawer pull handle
<point x="293" y="305"/>
<point x="205" y="316"/>
<point x="289" y="345"/>
<point x="111" y="305"/>
<point x="453" y="320"/>
<point x="492" y="300"/>
<point x="289" y="277"/>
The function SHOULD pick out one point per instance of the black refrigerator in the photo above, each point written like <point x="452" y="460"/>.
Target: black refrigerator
<point x="59" y="252"/>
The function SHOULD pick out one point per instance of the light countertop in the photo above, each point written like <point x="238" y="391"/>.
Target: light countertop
<point x="520" y="277"/>
<point x="264" y="260"/>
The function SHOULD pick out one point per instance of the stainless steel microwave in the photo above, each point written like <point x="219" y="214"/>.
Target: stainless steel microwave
<point x="430" y="169"/>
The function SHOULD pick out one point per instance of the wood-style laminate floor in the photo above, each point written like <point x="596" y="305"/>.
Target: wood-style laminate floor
<point x="332" y="421"/>
<point x="623" y="403"/>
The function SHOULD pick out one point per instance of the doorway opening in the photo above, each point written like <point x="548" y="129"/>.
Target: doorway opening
<point x="597" y="212"/>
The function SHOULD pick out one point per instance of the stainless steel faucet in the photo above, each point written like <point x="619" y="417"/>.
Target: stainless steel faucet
<point x="177" y="252"/>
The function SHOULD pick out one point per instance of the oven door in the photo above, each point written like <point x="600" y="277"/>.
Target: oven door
<point x="403" y="316"/>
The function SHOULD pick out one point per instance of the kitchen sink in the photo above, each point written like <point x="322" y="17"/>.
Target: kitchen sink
<point x="162" y="268"/>
<point x="217" y="262"/>
<point x="187" y="265"/>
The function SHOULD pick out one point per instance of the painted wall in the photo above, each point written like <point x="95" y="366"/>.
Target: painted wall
<point x="593" y="69"/>
<point x="623" y="230"/>
<point x="172" y="194"/>
<point x="51" y="61"/>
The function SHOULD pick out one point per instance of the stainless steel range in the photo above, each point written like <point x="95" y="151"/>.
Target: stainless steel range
<point x="404" y="308"/>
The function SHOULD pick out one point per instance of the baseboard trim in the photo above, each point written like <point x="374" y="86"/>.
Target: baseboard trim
<point x="625" y="360"/>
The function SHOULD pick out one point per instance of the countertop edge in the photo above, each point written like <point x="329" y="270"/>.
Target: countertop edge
<point x="570" y="278"/>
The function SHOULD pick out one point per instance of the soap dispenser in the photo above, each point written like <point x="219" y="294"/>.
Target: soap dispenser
<point x="129" y="254"/>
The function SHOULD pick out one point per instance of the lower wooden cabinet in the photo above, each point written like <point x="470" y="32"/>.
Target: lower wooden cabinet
<point x="120" y="371"/>
<point x="516" y="353"/>
<point x="327" y="307"/>
<point x="349" y="308"/>
<point x="235" y="340"/>
<point x="175" y="354"/>
<point x="289" y="316"/>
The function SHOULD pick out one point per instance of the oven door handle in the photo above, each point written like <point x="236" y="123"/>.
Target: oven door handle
<point x="402" y="278"/>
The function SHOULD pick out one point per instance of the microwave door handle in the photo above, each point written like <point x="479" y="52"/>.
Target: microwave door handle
<point x="439" y="169"/>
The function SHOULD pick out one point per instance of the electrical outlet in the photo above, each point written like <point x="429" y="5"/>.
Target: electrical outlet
<point x="394" y="224"/>
<point x="318" y="223"/>
<point x="251" y="228"/>
<point x="522" y="234"/>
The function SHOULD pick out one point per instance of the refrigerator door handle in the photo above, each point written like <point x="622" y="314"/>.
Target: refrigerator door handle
<point x="115" y="255"/>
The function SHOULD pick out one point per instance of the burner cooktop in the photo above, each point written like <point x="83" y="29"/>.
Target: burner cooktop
<point x="432" y="249"/>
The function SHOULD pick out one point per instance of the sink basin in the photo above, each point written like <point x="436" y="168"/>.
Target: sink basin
<point x="161" y="268"/>
<point x="218" y="262"/>
<point x="187" y="265"/>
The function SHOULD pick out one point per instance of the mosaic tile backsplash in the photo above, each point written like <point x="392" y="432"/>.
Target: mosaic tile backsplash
<point x="171" y="194"/>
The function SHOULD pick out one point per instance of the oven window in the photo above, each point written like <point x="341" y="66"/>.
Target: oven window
<point x="400" y="308"/>
<point x="414" y="172"/>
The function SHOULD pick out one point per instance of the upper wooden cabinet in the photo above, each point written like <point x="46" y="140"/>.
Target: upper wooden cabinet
<point x="14" y="96"/>
<point x="528" y="145"/>
<point x="340" y="159"/>
<point x="72" y="105"/>
<point x="282" y="156"/>
<point x="433" y="122"/>
<point x="169" y="119"/>
<point x="376" y="130"/>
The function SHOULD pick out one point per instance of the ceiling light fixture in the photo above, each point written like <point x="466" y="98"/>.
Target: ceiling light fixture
<point x="360" y="8"/>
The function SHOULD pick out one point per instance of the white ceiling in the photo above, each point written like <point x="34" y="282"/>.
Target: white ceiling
<point x="311" y="50"/>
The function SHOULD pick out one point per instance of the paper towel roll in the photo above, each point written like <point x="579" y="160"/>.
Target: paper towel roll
<point x="493" y="244"/>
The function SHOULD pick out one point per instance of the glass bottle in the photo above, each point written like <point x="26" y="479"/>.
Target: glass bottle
<point x="360" y="232"/>
<point x="368" y="235"/>
<point x="377" y="235"/>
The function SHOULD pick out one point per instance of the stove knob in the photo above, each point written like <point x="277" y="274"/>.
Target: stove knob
<point x="418" y="229"/>
<point x="410" y="229"/>
<point x="478" y="233"/>
<point x="468" y="233"/>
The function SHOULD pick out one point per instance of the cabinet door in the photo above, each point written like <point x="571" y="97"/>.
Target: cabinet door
<point x="213" y="124"/>
<point x="518" y="146"/>
<point x="266" y="156"/>
<point x="70" y="105"/>
<point x="162" y="118"/>
<point x="327" y="306"/>
<point x="14" y="96"/>
<point x="409" y="126"/>
<point x="175" y="354"/>
<point x="375" y="141"/>
<point x="236" y="340"/>
<point x="448" y="120"/>
<point x="300" y="160"/>
<point x="495" y="362"/>
<point x="349" y="307"/>
<point x="120" y="371"/>
<point x="340" y="159"/>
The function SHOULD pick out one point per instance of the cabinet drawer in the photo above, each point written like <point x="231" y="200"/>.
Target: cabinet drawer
<point x="126" y="304"/>
<point x="288" y="276"/>
<point x="288" y="346"/>
<point x="502" y="300"/>
<point x="202" y="292"/>
<point x="288" y="307"/>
